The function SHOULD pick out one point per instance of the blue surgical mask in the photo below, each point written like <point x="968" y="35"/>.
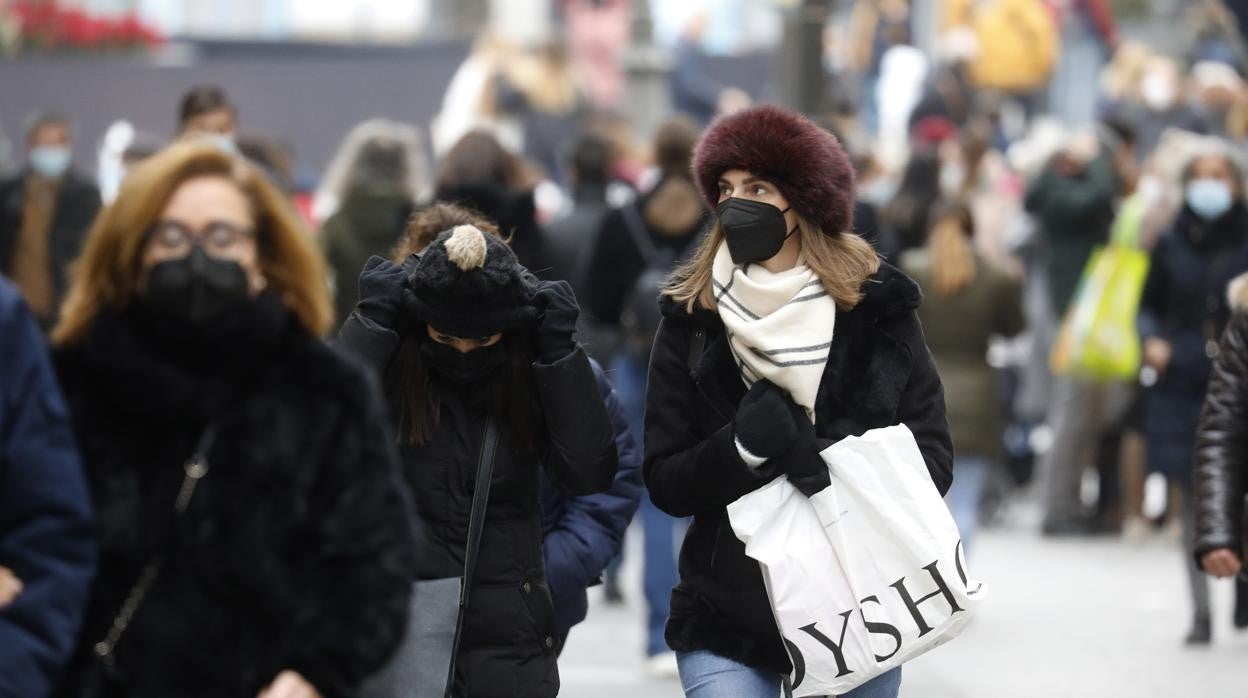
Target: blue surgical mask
<point x="1208" y="198"/>
<point x="51" y="161"/>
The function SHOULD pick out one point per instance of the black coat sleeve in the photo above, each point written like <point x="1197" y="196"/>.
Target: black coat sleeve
<point x="922" y="406"/>
<point x="686" y="472"/>
<point x="580" y="452"/>
<point x="370" y="342"/>
<point x="366" y="535"/>
<point x="1222" y="446"/>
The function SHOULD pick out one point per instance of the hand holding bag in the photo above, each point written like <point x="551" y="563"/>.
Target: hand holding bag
<point x="424" y="664"/>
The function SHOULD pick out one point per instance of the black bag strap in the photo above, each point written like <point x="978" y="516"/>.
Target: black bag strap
<point x="476" y="524"/>
<point x="641" y="235"/>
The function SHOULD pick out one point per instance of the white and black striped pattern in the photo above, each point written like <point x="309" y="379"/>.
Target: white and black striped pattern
<point x="779" y="325"/>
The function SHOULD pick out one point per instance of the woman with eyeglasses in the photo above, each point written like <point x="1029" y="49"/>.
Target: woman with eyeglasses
<point x="254" y="537"/>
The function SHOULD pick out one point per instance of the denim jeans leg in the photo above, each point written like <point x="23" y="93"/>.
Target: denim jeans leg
<point x="705" y="674"/>
<point x="886" y="685"/>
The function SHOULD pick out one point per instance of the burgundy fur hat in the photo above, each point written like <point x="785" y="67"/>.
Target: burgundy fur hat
<point x="787" y="149"/>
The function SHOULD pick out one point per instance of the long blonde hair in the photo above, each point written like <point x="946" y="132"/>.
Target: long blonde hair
<point x="842" y="261"/>
<point x="107" y="273"/>
<point x="951" y="249"/>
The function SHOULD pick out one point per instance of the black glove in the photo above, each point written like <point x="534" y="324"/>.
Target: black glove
<point x="806" y="469"/>
<point x="382" y="284"/>
<point x="764" y="426"/>
<point x="557" y="314"/>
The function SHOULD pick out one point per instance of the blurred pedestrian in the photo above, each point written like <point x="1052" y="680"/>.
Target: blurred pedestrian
<point x="568" y="240"/>
<point x="468" y="341"/>
<point x="966" y="303"/>
<point x="783" y="192"/>
<point x="480" y="174"/>
<point x="580" y="534"/>
<point x="1182" y="314"/>
<point x="367" y="194"/>
<point x="637" y="248"/>
<point x="1164" y="104"/>
<point x="1220" y="482"/>
<point x="207" y="112"/>
<point x="907" y="213"/>
<point x="1072" y="202"/>
<point x="254" y="536"/>
<point x="45" y="212"/>
<point x="697" y="93"/>
<point x="47" y="550"/>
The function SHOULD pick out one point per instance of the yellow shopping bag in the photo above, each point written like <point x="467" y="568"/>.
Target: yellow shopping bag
<point x="1098" y="339"/>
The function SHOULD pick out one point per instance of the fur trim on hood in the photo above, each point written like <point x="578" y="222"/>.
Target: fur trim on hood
<point x="1237" y="293"/>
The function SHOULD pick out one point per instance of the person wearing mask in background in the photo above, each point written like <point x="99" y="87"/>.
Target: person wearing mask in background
<point x="966" y="303"/>
<point x="370" y="190"/>
<point x="466" y="341"/>
<point x="480" y="174"/>
<point x="45" y="212"/>
<point x="1163" y="105"/>
<point x="1072" y="202"/>
<point x="1182" y="314"/>
<point x="638" y="246"/>
<point x="255" y="538"/>
<point x="720" y="424"/>
<point x="47" y="551"/>
<point x="907" y="213"/>
<point x="580" y="535"/>
<point x="1220" y="474"/>
<point x="207" y="112"/>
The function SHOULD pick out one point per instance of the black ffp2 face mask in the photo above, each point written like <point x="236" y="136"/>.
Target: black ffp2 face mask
<point x="755" y="231"/>
<point x="197" y="288"/>
<point x="463" y="368"/>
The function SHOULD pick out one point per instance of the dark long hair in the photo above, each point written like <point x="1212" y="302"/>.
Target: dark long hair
<point x="414" y="394"/>
<point x="909" y="210"/>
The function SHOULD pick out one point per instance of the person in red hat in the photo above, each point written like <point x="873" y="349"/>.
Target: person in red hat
<point x="782" y="318"/>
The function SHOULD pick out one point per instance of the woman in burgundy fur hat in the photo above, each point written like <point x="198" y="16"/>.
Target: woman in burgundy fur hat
<point x="783" y="317"/>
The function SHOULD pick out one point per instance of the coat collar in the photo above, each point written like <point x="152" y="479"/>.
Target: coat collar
<point x="887" y="293"/>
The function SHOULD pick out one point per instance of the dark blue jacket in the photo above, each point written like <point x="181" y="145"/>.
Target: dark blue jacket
<point x="583" y="534"/>
<point x="46" y="535"/>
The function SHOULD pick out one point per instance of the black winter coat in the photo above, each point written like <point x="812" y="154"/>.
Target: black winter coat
<point x="879" y="373"/>
<point x="1221" y="468"/>
<point x="296" y="552"/>
<point x="509" y="635"/>
<point x="1184" y="303"/>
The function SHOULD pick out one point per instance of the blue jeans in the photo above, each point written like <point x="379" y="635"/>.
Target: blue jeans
<point x="704" y="674"/>
<point x="970" y="473"/>
<point x="659" y="531"/>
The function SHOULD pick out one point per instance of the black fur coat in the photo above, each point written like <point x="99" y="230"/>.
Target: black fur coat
<point x="296" y="552"/>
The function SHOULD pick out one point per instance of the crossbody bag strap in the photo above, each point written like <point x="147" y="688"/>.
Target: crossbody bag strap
<point x="196" y="468"/>
<point x="476" y="524"/>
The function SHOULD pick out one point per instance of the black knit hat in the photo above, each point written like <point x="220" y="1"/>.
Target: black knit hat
<point x="469" y="284"/>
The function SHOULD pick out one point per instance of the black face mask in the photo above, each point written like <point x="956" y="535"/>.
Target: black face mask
<point x="196" y="289"/>
<point x="465" y="369"/>
<point x="755" y="231"/>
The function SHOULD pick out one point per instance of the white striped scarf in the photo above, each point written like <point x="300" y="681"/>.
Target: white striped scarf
<point x="779" y="325"/>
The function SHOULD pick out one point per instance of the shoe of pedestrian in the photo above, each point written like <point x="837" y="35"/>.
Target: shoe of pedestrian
<point x="1241" y="603"/>
<point x="611" y="590"/>
<point x="1136" y="530"/>
<point x="662" y="666"/>
<point x="1201" y="633"/>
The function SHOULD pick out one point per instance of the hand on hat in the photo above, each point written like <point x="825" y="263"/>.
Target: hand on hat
<point x="556" y="324"/>
<point x="382" y="284"/>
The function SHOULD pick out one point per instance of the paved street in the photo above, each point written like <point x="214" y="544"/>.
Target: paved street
<point x="1075" y="619"/>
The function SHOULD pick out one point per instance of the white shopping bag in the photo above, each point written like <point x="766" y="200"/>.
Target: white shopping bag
<point x="865" y="575"/>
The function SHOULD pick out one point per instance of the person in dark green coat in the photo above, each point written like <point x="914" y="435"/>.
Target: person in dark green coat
<point x="966" y="302"/>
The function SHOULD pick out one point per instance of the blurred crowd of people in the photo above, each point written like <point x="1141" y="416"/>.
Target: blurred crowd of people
<point x="997" y="172"/>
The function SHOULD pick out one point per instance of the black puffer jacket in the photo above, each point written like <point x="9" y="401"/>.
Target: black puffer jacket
<point x="509" y="637"/>
<point x="296" y="552"/>
<point x="879" y="373"/>
<point x="1221" y="470"/>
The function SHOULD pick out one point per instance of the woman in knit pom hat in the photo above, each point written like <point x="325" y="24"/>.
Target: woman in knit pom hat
<point x="463" y="335"/>
<point x="779" y="275"/>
